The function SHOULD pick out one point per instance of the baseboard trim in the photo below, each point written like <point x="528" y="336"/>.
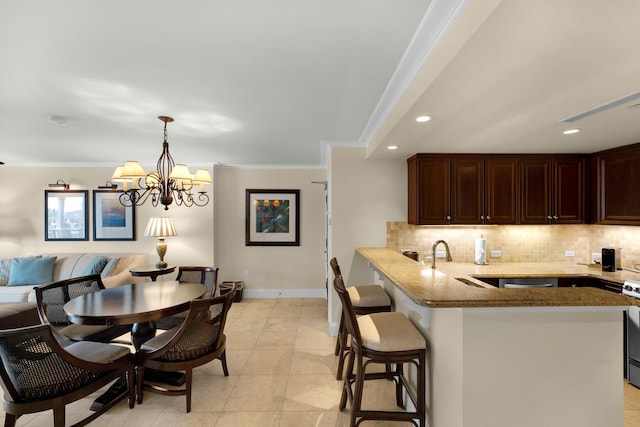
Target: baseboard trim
<point x="284" y="293"/>
<point x="333" y="329"/>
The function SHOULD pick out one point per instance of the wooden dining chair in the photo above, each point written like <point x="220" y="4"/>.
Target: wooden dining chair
<point x="39" y="374"/>
<point x="365" y="299"/>
<point x="387" y="338"/>
<point x="51" y="298"/>
<point x="208" y="276"/>
<point x="197" y="341"/>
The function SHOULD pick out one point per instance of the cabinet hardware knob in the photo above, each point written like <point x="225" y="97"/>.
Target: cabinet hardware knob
<point x="448" y="216"/>
<point x="481" y="216"/>
<point x="488" y="216"/>
<point x="549" y="217"/>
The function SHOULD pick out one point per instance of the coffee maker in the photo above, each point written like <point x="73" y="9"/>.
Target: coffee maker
<point x="611" y="259"/>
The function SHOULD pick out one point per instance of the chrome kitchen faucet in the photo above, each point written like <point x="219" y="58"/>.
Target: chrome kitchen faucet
<point x="433" y="252"/>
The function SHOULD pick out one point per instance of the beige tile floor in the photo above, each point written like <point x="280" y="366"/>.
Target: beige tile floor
<point x="282" y="371"/>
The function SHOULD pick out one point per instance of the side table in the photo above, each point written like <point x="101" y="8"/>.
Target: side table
<point x="152" y="271"/>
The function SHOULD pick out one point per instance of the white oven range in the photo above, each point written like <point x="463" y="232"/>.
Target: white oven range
<point x="632" y="289"/>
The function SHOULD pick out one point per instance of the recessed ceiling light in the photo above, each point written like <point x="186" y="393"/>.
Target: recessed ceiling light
<point x="58" y="120"/>
<point x="422" y="119"/>
<point x="392" y="147"/>
<point x="571" y="131"/>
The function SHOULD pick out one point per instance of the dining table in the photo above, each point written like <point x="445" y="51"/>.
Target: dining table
<point x="136" y="304"/>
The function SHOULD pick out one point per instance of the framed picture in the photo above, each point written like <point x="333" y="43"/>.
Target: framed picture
<point x="66" y="215"/>
<point x="273" y="218"/>
<point x="112" y="220"/>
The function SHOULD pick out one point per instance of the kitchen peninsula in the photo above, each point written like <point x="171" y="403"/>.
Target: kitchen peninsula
<point x="505" y="357"/>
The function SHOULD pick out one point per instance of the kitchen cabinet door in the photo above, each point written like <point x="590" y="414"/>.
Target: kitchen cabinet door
<point x="429" y="198"/>
<point x="501" y="190"/>
<point x="535" y="188"/>
<point x="568" y="190"/>
<point x="462" y="189"/>
<point x="618" y="175"/>
<point x="467" y="185"/>
<point x="552" y="189"/>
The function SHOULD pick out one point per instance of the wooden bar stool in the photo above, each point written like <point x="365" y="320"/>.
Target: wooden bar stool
<point x="365" y="299"/>
<point x="384" y="338"/>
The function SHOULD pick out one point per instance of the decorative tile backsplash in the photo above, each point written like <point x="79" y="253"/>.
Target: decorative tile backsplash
<point x="520" y="243"/>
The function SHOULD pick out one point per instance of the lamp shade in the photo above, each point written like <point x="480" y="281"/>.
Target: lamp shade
<point x="180" y="172"/>
<point x="160" y="227"/>
<point x="117" y="174"/>
<point x="132" y="170"/>
<point x="117" y="177"/>
<point x="202" y="176"/>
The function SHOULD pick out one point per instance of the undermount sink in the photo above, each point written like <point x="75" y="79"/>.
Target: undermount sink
<point x="468" y="282"/>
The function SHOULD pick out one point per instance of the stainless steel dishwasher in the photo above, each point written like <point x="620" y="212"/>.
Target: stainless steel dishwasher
<point x="528" y="282"/>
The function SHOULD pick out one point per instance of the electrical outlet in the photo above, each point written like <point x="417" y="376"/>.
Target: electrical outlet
<point x="569" y="253"/>
<point x="496" y="254"/>
<point x="245" y="272"/>
<point x="441" y="254"/>
<point x="596" y="257"/>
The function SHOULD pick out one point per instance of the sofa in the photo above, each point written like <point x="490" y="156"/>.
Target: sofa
<point x="51" y="267"/>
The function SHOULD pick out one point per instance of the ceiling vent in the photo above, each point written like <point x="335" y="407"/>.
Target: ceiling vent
<point x="603" y="107"/>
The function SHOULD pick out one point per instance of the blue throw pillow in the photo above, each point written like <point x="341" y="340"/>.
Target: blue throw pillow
<point x="110" y="268"/>
<point x="95" y="266"/>
<point x="31" y="271"/>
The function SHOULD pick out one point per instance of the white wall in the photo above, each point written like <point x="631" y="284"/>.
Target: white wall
<point x="22" y="218"/>
<point x="271" y="271"/>
<point x="364" y="195"/>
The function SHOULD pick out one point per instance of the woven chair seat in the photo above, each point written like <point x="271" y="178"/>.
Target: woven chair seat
<point x="43" y="374"/>
<point x="46" y="375"/>
<point x="194" y="343"/>
<point x="85" y="332"/>
<point x="368" y="296"/>
<point x="97" y="352"/>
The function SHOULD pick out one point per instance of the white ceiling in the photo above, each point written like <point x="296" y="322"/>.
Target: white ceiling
<point x="251" y="82"/>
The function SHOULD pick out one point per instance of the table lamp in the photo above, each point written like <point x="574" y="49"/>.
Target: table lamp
<point x="160" y="227"/>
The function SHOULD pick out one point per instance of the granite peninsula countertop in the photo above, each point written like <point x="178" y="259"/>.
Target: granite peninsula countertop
<point x="441" y="288"/>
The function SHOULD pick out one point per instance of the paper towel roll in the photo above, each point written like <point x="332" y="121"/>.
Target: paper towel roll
<point x="480" y="251"/>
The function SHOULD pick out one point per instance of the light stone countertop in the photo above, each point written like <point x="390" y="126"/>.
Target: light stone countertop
<point x="440" y="288"/>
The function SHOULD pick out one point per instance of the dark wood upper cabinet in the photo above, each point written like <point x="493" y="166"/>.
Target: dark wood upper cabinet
<point x="535" y="188"/>
<point x="501" y="190"/>
<point x="552" y="189"/>
<point x="462" y="189"/>
<point x="484" y="190"/>
<point x="616" y="179"/>
<point x="467" y="185"/>
<point x="525" y="188"/>
<point x="569" y="180"/>
<point x="429" y="189"/>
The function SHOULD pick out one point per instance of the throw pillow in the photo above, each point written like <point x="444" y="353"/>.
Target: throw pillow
<point x="5" y="267"/>
<point x="110" y="268"/>
<point x="31" y="271"/>
<point x="95" y="266"/>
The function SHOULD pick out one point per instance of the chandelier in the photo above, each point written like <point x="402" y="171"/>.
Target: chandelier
<point x="169" y="183"/>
